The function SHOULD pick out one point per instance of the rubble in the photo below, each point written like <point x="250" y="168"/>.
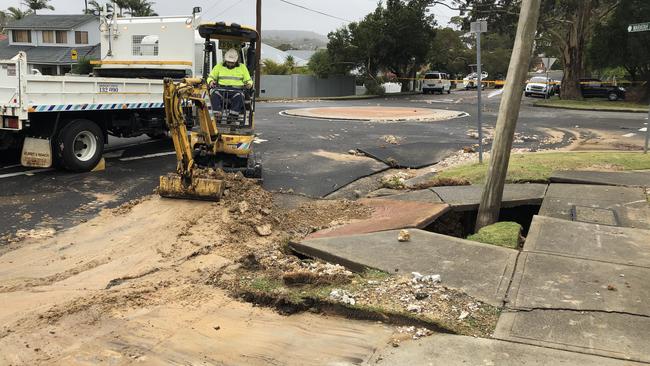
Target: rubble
<point x="391" y="139"/>
<point x="342" y="296"/>
<point x="404" y="236"/>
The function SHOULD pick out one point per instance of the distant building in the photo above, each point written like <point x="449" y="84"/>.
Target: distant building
<point x="50" y="41"/>
<point x="279" y="56"/>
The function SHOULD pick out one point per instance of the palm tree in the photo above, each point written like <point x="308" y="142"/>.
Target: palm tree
<point x="15" y="13"/>
<point x="94" y="7"/>
<point x="35" y="5"/>
<point x="140" y="8"/>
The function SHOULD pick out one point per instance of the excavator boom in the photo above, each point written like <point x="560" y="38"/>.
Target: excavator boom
<point x="189" y="182"/>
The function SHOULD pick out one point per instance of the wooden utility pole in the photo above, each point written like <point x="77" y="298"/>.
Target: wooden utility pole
<point x="490" y="206"/>
<point x="258" y="49"/>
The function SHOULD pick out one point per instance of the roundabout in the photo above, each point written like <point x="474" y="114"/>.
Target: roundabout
<point x="375" y="114"/>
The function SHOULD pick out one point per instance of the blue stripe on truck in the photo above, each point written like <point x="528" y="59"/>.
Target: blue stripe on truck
<point x="93" y="107"/>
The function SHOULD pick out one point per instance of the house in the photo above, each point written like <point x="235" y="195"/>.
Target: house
<point x="51" y="41"/>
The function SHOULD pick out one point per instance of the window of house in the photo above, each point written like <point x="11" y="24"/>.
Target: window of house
<point x="61" y="37"/>
<point x="22" y="36"/>
<point x="48" y="36"/>
<point x="144" y="45"/>
<point x="80" y="37"/>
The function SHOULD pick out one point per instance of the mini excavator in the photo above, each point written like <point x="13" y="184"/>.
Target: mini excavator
<point x="216" y="142"/>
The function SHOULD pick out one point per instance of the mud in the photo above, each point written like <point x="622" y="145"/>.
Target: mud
<point x="133" y="286"/>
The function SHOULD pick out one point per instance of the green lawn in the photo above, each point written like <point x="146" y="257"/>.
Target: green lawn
<point x="503" y="234"/>
<point x="537" y="167"/>
<point x="593" y="104"/>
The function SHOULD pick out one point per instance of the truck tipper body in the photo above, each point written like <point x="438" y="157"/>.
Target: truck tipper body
<point x="65" y="120"/>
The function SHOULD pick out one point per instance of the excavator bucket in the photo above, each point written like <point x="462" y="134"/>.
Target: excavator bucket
<point x="204" y="189"/>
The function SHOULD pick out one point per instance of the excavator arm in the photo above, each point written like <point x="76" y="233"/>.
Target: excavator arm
<point x="189" y="181"/>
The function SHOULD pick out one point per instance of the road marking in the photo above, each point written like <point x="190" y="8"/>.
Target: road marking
<point x="27" y="172"/>
<point x="631" y="134"/>
<point x="644" y="129"/>
<point x="495" y="93"/>
<point x="148" y="156"/>
<point x="114" y="154"/>
<point x="259" y="140"/>
<point x="10" y="166"/>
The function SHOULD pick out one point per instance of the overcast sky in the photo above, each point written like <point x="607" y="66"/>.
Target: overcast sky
<point x="276" y="14"/>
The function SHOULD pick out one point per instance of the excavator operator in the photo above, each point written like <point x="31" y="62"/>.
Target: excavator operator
<point x="227" y="82"/>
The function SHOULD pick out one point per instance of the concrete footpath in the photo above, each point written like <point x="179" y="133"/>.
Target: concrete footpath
<point x="577" y="293"/>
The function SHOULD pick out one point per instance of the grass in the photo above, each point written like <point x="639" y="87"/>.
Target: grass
<point x="503" y="234"/>
<point x="538" y="167"/>
<point x="594" y="105"/>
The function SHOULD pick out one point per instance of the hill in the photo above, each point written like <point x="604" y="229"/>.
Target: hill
<point x="299" y="40"/>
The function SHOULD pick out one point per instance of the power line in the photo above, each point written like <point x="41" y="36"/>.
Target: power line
<point x="228" y="8"/>
<point x="315" y="11"/>
<point x="213" y="6"/>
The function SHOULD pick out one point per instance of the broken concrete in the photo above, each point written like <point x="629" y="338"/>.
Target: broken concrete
<point x="629" y="204"/>
<point x="451" y="350"/>
<point x="480" y="270"/>
<point x="414" y="155"/>
<point x="388" y="214"/>
<point x="555" y="282"/>
<point x="627" y="179"/>
<point x="589" y="241"/>
<point x="467" y="198"/>
<point x="621" y="336"/>
<point x="593" y="215"/>
<point x="423" y="195"/>
<point x="416" y="182"/>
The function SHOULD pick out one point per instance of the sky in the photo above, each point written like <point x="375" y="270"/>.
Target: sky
<point x="276" y="15"/>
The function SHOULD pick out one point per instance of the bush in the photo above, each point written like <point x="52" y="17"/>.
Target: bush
<point x="374" y="87"/>
<point x="83" y="66"/>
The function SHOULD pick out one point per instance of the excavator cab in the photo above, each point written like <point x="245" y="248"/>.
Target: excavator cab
<point x="207" y="142"/>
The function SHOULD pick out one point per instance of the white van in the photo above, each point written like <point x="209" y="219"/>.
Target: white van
<point x="436" y="82"/>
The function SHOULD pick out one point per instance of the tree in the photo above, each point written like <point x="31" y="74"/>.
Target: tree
<point x="270" y="67"/>
<point x="450" y="53"/>
<point x="320" y="64"/>
<point x="141" y="8"/>
<point x="16" y="14"/>
<point x="285" y="47"/>
<point x="94" y="7"/>
<point x="395" y="38"/>
<point x="568" y="24"/>
<point x="612" y="46"/>
<point x="35" y="5"/>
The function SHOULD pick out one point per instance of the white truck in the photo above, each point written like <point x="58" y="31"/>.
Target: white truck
<point x="65" y="121"/>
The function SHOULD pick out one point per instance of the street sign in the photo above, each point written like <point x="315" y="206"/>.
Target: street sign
<point x="640" y="27"/>
<point x="73" y="54"/>
<point x="548" y="62"/>
<point x="478" y="27"/>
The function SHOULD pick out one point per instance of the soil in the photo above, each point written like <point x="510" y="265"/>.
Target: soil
<point x="135" y="285"/>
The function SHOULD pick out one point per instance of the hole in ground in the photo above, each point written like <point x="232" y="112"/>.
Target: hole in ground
<point x="460" y="224"/>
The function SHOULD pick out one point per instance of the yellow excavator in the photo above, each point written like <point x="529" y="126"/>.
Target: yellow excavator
<point x="217" y="140"/>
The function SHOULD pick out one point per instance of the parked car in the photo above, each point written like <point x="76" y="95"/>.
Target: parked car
<point x="436" y="82"/>
<point x="595" y="88"/>
<point x="540" y="86"/>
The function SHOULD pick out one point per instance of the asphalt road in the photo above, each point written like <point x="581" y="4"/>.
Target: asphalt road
<point x="305" y="156"/>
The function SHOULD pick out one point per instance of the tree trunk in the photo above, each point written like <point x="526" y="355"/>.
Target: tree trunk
<point x="574" y="49"/>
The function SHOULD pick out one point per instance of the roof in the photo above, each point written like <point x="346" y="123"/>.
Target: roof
<point x="279" y="56"/>
<point x="62" y="22"/>
<point x="48" y="55"/>
<point x="302" y="54"/>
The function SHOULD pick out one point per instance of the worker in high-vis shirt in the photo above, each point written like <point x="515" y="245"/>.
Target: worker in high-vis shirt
<point x="227" y="81"/>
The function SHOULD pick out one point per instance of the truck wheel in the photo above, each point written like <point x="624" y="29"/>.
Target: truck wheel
<point x="81" y="144"/>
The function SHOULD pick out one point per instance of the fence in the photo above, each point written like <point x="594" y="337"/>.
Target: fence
<point x="304" y="86"/>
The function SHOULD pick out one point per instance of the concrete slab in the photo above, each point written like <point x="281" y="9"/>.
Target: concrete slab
<point x="415" y="155"/>
<point x="593" y="215"/>
<point x="629" y="204"/>
<point x="628" y="179"/>
<point x="555" y="282"/>
<point x="451" y="350"/>
<point x="480" y="270"/>
<point x="613" y="335"/>
<point x="388" y="214"/>
<point x="467" y="198"/>
<point x="589" y="241"/>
